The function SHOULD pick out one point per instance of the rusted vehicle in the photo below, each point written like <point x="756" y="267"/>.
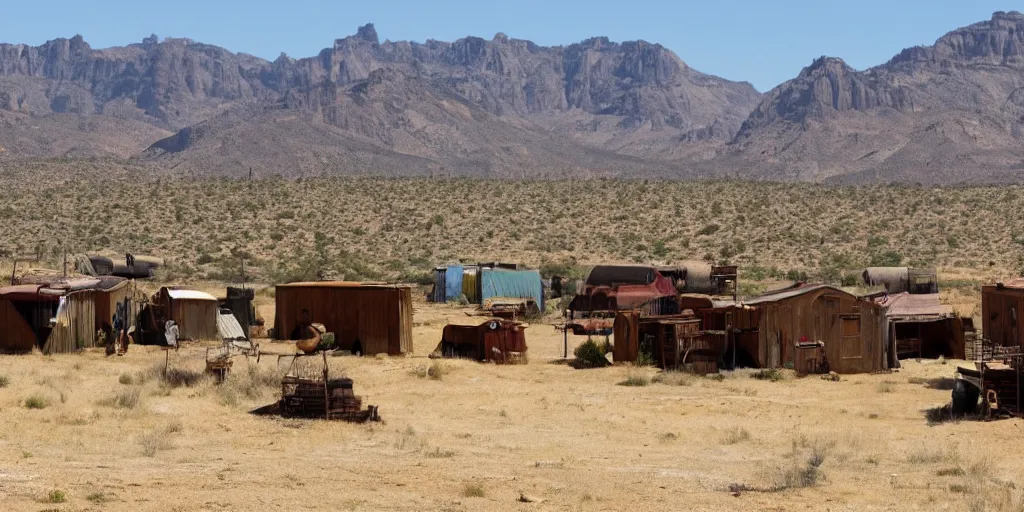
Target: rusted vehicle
<point x="613" y="288"/>
<point x="497" y="340"/>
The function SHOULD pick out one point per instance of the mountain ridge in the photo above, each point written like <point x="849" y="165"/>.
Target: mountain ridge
<point x="951" y="111"/>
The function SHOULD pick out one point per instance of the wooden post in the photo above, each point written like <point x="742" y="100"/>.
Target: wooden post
<point x="327" y="394"/>
<point x="565" y="342"/>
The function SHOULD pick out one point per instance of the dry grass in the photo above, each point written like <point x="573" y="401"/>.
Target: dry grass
<point x="735" y="435"/>
<point x="570" y="438"/>
<point x="434" y="371"/>
<point x="634" y="379"/>
<point x="673" y="378"/>
<point x="473" y="490"/>
<point x="158" y="440"/>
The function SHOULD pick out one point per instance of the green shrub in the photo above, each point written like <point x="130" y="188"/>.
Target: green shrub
<point x="36" y="402"/>
<point x="57" y="496"/>
<point x="590" y="355"/>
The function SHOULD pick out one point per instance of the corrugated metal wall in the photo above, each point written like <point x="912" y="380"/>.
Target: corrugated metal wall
<point x="512" y="283"/>
<point x="16" y="334"/>
<point x="379" y="317"/>
<point x="196" y="319"/>
<point x="76" y="324"/>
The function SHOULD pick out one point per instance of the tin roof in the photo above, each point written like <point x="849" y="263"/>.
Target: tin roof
<point x="189" y="295"/>
<point x="228" y="326"/>
<point x="795" y="292"/>
<point x="917" y="305"/>
<point x="340" y="284"/>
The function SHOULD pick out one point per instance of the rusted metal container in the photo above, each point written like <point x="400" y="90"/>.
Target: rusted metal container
<point x="377" y="316"/>
<point x="498" y="341"/>
<point x="1002" y="305"/>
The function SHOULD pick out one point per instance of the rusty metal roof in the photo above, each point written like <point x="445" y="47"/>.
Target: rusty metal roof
<point x="795" y="292"/>
<point x="1016" y="283"/>
<point x="914" y="305"/>
<point x="341" y="284"/>
<point x="24" y="292"/>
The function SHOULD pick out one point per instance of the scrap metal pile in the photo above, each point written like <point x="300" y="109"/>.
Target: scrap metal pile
<point x="323" y="397"/>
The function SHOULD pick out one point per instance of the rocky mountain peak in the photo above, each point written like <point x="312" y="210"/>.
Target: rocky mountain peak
<point x="825" y="65"/>
<point x="368" y="33"/>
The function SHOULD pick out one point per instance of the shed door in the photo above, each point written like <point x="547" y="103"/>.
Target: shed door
<point x="774" y="349"/>
<point x="373" y="322"/>
<point x="851" y="340"/>
<point x="1012" y="316"/>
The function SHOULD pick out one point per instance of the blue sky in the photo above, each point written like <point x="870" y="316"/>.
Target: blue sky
<point x="758" y="41"/>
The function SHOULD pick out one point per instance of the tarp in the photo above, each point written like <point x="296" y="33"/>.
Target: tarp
<point x="521" y="284"/>
<point x="453" y="282"/>
<point x="228" y="326"/>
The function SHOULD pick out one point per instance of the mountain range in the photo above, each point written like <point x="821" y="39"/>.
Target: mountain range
<point x="946" y="113"/>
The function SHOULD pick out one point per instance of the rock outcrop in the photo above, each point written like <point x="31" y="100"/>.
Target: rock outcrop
<point x="932" y="114"/>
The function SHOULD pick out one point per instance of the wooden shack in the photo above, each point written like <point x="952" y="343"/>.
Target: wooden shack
<point x="378" y="316"/>
<point x="817" y="328"/>
<point x="195" y="312"/>
<point x="920" y="326"/>
<point x="1001" y="307"/>
<point x="59" y="315"/>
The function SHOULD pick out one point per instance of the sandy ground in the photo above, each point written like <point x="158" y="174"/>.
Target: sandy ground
<point x="483" y="435"/>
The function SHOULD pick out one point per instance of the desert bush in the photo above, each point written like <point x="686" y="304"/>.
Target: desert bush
<point x="805" y="472"/>
<point x="769" y="374"/>
<point x="98" y="497"/>
<point x="887" y="386"/>
<point x="179" y="377"/>
<point x="589" y="355"/>
<point x="126" y="379"/>
<point x="436" y="370"/>
<point x="127" y="398"/>
<point x="159" y="440"/>
<point x="473" y="491"/>
<point x="438" y="453"/>
<point x="56" y="496"/>
<point x="735" y="435"/>
<point x="4" y="381"/>
<point x="36" y="402"/>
